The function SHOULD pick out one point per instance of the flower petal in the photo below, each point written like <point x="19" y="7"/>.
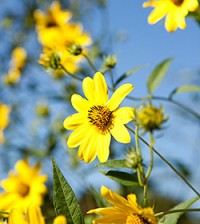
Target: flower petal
<point x="88" y="148"/>
<point x="103" y="147"/>
<point x="78" y="135"/>
<point x="35" y="214"/>
<point x="88" y="88"/>
<point x="120" y="133"/>
<point x="170" y="22"/>
<point x="157" y="14"/>
<point x="74" y="121"/>
<point x="101" y="89"/>
<point x="119" y="95"/>
<point x="124" y="115"/>
<point x="79" y="103"/>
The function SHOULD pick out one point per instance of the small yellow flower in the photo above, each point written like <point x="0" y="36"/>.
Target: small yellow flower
<point x="4" y="121"/>
<point x="98" y="118"/>
<point x="32" y="215"/>
<point x="174" y="10"/>
<point x="123" y="211"/>
<point x="150" y="117"/>
<point x="23" y="186"/>
<point x="18" y="59"/>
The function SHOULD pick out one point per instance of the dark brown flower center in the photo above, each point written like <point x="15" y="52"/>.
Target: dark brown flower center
<point x="136" y="219"/>
<point x="101" y="117"/>
<point x="178" y="2"/>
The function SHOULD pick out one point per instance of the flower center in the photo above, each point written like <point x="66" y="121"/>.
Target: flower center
<point x="101" y="117"/>
<point x="178" y="2"/>
<point x="23" y="189"/>
<point x="136" y="219"/>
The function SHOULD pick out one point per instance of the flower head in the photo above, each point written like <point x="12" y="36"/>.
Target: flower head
<point x="4" y="121"/>
<point x="98" y="118"/>
<point x="174" y="10"/>
<point x="23" y="186"/>
<point x="32" y="215"/>
<point x="123" y="211"/>
<point x="57" y="35"/>
<point x="150" y="117"/>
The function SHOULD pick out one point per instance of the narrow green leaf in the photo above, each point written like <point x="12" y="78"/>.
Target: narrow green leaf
<point x="123" y="178"/>
<point x="65" y="202"/>
<point x="114" y="164"/>
<point x="158" y="75"/>
<point x="185" y="88"/>
<point x="174" y="217"/>
<point x="126" y="74"/>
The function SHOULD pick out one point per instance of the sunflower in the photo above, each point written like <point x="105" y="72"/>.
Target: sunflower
<point x="23" y="186"/>
<point x="98" y="118"/>
<point x="174" y="10"/>
<point x="123" y="211"/>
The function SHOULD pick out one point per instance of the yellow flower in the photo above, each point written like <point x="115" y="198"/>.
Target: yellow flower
<point x="53" y="58"/>
<point x="150" y="117"/>
<point x="55" y="17"/>
<point x="57" y="34"/>
<point x="18" y="59"/>
<point x="23" y="186"/>
<point x="123" y="211"/>
<point x="54" y="28"/>
<point x="98" y="118"/>
<point x="4" y="121"/>
<point x="174" y="10"/>
<point x="32" y="215"/>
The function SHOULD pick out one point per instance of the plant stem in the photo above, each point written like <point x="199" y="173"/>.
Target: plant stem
<point x="176" y="211"/>
<point x="73" y="76"/>
<point x="168" y="163"/>
<point x="90" y="62"/>
<point x="151" y="156"/>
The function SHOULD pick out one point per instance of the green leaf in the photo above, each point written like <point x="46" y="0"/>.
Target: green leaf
<point x="185" y="88"/>
<point x="126" y="74"/>
<point x="158" y="75"/>
<point x="65" y="202"/>
<point x="114" y="164"/>
<point x="123" y="178"/>
<point x="174" y="217"/>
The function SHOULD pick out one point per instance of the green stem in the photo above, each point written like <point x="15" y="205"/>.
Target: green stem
<point x="89" y="62"/>
<point x="168" y="163"/>
<point x="176" y="211"/>
<point x="73" y="76"/>
<point x="151" y="156"/>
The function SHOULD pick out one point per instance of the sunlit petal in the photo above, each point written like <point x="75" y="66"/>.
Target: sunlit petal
<point x="119" y="95"/>
<point x="120" y="133"/>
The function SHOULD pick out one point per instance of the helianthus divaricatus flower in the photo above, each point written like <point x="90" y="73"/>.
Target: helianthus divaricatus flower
<point x="123" y="211"/>
<point x="24" y="185"/>
<point x="98" y="118"/>
<point x="174" y="10"/>
<point x="32" y="215"/>
<point x="4" y="121"/>
<point x="57" y="33"/>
